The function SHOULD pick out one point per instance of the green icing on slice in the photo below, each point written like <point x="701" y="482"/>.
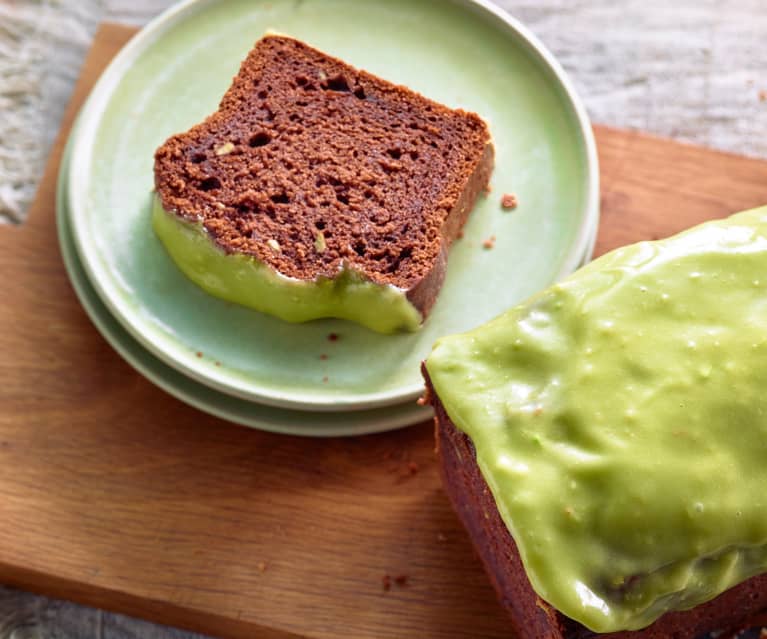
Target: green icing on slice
<point x="245" y="280"/>
<point x="620" y="420"/>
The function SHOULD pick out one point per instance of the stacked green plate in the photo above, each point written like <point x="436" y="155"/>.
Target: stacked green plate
<point x="260" y="371"/>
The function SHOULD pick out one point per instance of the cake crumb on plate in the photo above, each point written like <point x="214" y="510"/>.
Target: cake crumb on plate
<point x="509" y="201"/>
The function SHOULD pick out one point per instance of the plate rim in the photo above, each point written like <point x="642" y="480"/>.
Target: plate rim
<point x="91" y="115"/>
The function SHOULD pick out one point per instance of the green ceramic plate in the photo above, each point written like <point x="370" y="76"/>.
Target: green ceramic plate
<point x="240" y="411"/>
<point x="462" y="53"/>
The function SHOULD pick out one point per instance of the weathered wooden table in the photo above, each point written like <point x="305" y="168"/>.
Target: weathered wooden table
<point x="693" y="72"/>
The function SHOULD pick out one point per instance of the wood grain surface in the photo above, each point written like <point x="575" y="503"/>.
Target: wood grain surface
<point x="116" y="495"/>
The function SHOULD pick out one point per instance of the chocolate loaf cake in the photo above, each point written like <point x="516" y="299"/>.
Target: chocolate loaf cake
<point x="740" y="608"/>
<point x="342" y="191"/>
<point x="603" y="442"/>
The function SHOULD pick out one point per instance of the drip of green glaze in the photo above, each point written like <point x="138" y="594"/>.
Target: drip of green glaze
<point x="620" y="420"/>
<point x="245" y="280"/>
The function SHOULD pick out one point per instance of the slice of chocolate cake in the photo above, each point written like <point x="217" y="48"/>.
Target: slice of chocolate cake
<point x="604" y="442"/>
<point x="319" y="190"/>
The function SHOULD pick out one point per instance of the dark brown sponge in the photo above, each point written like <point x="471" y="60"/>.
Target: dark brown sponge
<point x="743" y="606"/>
<point x="310" y="164"/>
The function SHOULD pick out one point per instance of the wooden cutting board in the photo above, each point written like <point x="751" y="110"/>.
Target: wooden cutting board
<point x="114" y="494"/>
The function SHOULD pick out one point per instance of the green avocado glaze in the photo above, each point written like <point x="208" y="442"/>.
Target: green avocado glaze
<point x="245" y="280"/>
<point x="620" y="420"/>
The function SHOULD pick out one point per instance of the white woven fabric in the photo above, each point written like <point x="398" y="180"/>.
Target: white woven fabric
<point x="41" y="47"/>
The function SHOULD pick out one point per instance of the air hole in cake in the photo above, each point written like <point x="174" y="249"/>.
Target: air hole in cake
<point x="198" y="157"/>
<point x="359" y="248"/>
<point x="342" y="196"/>
<point x="395" y="153"/>
<point x="368" y="194"/>
<point x="414" y="155"/>
<point x="280" y="198"/>
<point x="404" y="254"/>
<point x="262" y="94"/>
<point x="337" y="83"/>
<point x="294" y="117"/>
<point x="359" y="93"/>
<point x="302" y="80"/>
<point x="260" y="139"/>
<point x="210" y="184"/>
<point x="270" y="212"/>
<point x="319" y="225"/>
